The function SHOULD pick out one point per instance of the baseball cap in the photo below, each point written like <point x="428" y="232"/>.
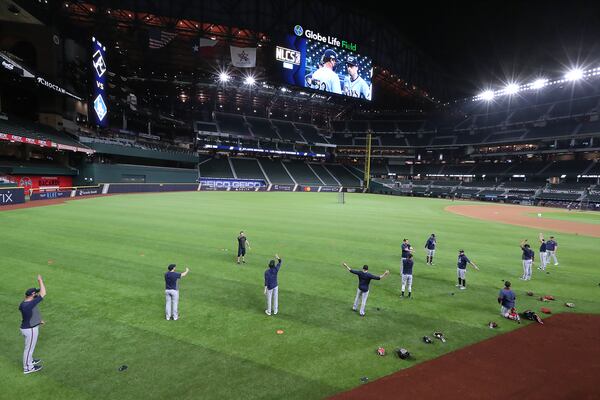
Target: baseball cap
<point x="171" y="267"/>
<point x="461" y="251"/>
<point x="351" y="60"/>
<point x="507" y="284"/>
<point x="366" y="267"/>
<point x="31" y="291"/>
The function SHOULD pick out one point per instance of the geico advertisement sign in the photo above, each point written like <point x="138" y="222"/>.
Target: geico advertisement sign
<point x="232" y="184"/>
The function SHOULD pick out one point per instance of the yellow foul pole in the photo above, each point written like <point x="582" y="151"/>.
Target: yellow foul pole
<point x="367" y="179"/>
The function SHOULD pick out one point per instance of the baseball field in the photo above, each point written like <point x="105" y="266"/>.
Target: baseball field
<point x="103" y="261"/>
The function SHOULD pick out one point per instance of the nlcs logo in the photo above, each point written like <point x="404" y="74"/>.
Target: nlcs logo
<point x="298" y="30"/>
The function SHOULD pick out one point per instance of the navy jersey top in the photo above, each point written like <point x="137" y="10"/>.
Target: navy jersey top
<point x="551" y="245"/>
<point x="242" y="242"/>
<point x="462" y="261"/>
<point x="405" y="250"/>
<point x="271" y="276"/>
<point x="543" y="247"/>
<point x="527" y="253"/>
<point x="364" y="279"/>
<point x="30" y="313"/>
<point x="407" y="266"/>
<point x="430" y="245"/>
<point x="172" y="280"/>
<point x="507" y="298"/>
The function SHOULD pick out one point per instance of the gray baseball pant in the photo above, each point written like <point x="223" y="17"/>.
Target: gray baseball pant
<point x="365" y="296"/>
<point x="172" y="298"/>
<point x="273" y="296"/>
<point x="31" y="337"/>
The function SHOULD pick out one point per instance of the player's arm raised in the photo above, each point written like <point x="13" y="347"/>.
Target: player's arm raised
<point x="42" y="286"/>
<point x="347" y="267"/>
<point x="386" y="273"/>
<point x="184" y="273"/>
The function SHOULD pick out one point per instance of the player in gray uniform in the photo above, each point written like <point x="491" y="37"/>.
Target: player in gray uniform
<point x="407" y="275"/>
<point x="354" y="85"/>
<point x="31" y="321"/>
<point x="507" y="299"/>
<point x="172" y="291"/>
<point x="461" y="269"/>
<point x="527" y="257"/>
<point x="551" y="247"/>
<point x="325" y="77"/>
<point x="430" y="248"/>
<point x="364" y="279"/>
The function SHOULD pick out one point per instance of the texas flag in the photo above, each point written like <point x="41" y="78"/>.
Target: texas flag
<point x="205" y="47"/>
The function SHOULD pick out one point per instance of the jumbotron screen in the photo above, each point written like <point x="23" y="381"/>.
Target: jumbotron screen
<point x="324" y="63"/>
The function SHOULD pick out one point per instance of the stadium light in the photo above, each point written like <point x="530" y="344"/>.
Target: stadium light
<point x="574" y="75"/>
<point x="539" y="83"/>
<point x="487" y="95"/>
<point x="224" y="77"/>
<point x="250" y="80"/>
<point x="511" y="88"/>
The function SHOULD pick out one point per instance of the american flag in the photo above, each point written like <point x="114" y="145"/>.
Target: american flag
<point x="158" y="39"/>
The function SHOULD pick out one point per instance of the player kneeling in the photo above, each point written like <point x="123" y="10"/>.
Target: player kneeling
<point x="507" y="300"/>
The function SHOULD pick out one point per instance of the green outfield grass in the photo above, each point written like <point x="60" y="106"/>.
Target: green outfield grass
<point x="105" y="302"/>
<point x="588" y="217"/>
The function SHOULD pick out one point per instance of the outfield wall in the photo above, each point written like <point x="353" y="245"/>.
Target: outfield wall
<point x="126" y="173"/>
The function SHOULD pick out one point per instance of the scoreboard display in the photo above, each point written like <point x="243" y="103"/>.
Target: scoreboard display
<point x="324" y="63"/>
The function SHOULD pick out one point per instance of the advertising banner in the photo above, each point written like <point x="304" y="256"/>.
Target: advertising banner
<point x="282" y="188"/>
<point x="39" y="182"/>
<point x="11" y="196"/>
<point x="231" y="184"/>
<point x="58" y="194"/>
<point x="88" y="191"/>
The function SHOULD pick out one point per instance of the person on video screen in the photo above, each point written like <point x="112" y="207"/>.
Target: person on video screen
<point x="354" y="85"/>
<point x="325" y="77"/>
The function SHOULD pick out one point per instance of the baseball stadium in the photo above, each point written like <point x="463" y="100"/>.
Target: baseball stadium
<point x="423" y="181"/>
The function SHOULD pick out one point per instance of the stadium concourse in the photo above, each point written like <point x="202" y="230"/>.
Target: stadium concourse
<point x="101" y="98"/>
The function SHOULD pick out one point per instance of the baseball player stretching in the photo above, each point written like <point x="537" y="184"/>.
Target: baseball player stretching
<point x="461" y="269"/>
<point x="172" y="291"/>
<point x="527" y="258"/>
<point x="271" y="286"/>
<point x="364" y="279"/>
<point x="30" y="325"/>
<point x="407" y="274"/>
<point x="406" y="249"/>
<point x="551" y="248"/>
<point x="543" y="254"/>
<point x="430" y="248"/>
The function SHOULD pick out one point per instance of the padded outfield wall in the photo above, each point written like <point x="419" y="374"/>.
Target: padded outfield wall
<point x="126" y="173"/>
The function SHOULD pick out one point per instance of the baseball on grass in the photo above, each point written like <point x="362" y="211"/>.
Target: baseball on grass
<point x="539" y="215"/>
